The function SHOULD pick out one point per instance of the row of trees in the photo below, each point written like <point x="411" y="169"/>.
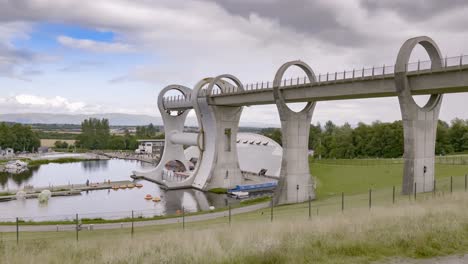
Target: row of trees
<point x="95" y="134"/>
<point x="384" y="140"/>
<point x="147" y="132"/>
<point x="18" y="137"/>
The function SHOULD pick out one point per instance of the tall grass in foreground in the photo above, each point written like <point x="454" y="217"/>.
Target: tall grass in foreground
<point x="432" y="227"/>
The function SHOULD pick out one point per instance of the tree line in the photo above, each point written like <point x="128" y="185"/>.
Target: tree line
<point x="18" y="137"/>
<point x="95" y="134"/>
<point x="377" y="140"/>
<point x="147" y="132"/>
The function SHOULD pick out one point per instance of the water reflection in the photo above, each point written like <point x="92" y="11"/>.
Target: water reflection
<point x="106" y="204"/>
<point x="95" y="165"/>
<point x="18" y="179"/>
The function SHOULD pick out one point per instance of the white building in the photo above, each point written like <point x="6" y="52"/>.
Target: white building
<point x="150" y="146"/>
<point x="8" y="152"/>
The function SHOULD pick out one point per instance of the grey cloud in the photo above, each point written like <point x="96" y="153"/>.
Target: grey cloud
<point x="31" y="72"/>
<point x="415" y="10"/>
<point x="16" y="63"/>
<point x="306" y="16"/>
<point x="81" y="66"/>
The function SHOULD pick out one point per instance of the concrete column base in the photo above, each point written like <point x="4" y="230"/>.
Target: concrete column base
<point x="295" y="184"/>
<point x="419" y="155"/>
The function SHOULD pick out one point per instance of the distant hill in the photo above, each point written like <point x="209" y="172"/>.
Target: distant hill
<point x="114" y="119"/>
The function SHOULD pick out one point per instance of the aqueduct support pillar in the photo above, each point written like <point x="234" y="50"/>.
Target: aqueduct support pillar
<point x="295" y="182"/>
<point x="218" y="165"/>
<point x="419" y="123"/>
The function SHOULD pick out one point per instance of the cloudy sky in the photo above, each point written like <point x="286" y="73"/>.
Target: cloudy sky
<point x="101" y="56"/>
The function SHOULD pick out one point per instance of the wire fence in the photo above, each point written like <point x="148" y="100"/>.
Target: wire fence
<point x="380" y="72"/>
<point x="449" y="160"/>
<point x="131" y="223"/>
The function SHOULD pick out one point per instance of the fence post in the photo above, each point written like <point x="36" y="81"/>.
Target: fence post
<point x="342" y="202"/>
<point x="77" y="227"/>
<point x="310" y="207"/>
<point x="466" y="182"/>
<point x="183" y="218"/>
<point x="132" y="225"/>
<point x="415" y="190"/>
<point x="370" y="199"/>
<point x="229" y="215"/>
<point x="393" y="200"/>
<point x="451" y="184"/>
<point x="434" y="189"/>
<point x="17" y="230"/>
<point x="271" y="213"/>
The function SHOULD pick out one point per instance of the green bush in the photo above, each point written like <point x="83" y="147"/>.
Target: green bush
<point x="218" y="190"/>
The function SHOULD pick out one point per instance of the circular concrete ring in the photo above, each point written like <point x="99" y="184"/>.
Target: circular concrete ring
<point x="402" y="60"/>
<point x="278" y="95"/>
<point x="219" y="78"/>
<point x="184" y="90"/>
<point x="198" y="88"/>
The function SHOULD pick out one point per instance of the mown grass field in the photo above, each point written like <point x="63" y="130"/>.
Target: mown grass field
<point x="51" y="142"/>
<point x="354" y="179"/>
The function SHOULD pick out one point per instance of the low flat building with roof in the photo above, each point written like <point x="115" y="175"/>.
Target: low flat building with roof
<point x="150" y="146"/>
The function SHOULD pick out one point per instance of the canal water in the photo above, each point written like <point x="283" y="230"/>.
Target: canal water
<point x="106" y="204"/>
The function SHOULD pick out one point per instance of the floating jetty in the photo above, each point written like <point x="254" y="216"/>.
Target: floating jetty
<point x="36" y="195"/>
<point x="65" y="190"/>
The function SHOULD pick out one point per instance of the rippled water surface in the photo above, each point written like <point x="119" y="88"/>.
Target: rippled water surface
<point x="106" y="204"/>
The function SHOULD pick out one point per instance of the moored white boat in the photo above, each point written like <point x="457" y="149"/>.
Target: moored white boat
<point x="16" y="166"/>
<point x="240" y="195"/>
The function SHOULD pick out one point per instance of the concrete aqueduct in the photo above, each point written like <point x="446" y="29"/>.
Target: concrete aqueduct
<point x="218" y="112"/>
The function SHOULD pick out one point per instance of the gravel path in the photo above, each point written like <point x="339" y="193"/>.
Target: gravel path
<point x="188" y="219"/>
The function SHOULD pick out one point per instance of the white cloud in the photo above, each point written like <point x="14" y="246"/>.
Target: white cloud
<point x="53" y="102"/>
<point x="94" y="46"/>
<point x="31" y="103"/>
<point x="35" y="103"/>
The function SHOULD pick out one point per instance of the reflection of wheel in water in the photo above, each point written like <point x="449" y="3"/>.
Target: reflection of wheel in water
<point x="21" y="195"/>
<point x="44" y="196"/>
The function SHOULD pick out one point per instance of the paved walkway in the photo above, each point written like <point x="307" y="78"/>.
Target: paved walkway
<point x="148" y="158"/>
<point x="188" y="219"/>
